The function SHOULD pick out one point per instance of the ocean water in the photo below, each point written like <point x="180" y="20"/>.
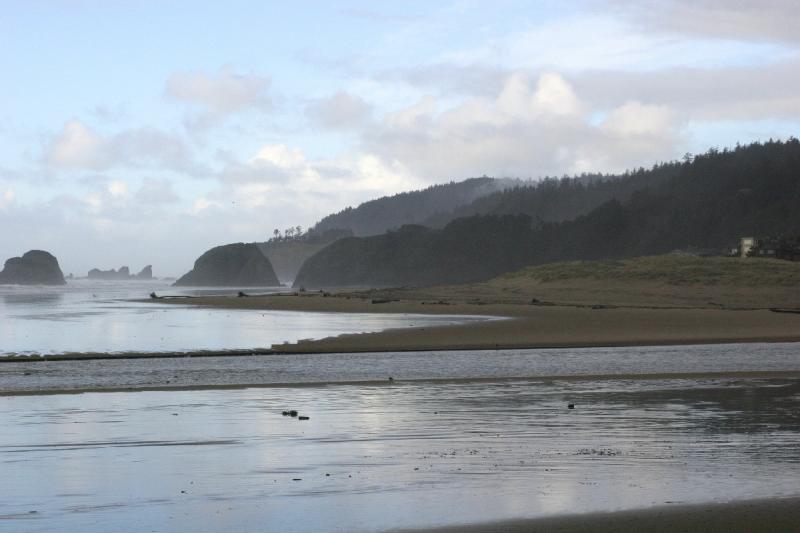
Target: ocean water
<point x="382" y="456"/>
<point x="99" y="316"/>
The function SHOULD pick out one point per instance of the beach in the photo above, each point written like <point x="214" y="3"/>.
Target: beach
<point x="610" y="321"/>
<point x="665" y="453"/>
<point x="442" y="409"/>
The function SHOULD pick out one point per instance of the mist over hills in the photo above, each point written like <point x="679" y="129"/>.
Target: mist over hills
<point x="706" y="201"/>
<point x="550" y="199"/>
<point x="413" y="207"/>
<point x="557" y="199"/>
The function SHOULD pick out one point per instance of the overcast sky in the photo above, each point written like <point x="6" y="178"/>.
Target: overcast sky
<point x="138" y="132"/>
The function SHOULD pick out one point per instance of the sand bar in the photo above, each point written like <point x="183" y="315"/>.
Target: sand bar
<point x="527" y="326"/>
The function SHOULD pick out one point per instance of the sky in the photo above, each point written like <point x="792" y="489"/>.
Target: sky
<point x="138" y="132"/>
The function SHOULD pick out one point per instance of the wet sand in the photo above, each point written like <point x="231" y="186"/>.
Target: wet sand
<point x="403" y="456"/>
<point x="526" y="325"/>
<point x="779" y="515"/>
<point x="740" y="361"/>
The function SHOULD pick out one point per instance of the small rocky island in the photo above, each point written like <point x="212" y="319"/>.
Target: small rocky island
<point x="240" y="264"/>
<point x="122" y="274"/>
<point x="35" y="267"/>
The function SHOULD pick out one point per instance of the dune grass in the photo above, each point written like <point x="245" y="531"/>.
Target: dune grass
<point x="671" y="269"/>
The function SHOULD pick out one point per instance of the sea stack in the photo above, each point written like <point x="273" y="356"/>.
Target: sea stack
<point x="146" y="273"/>
<point x="240" y="264"/>
<point x="35" y="267"/>
<point x="123" y="273"/>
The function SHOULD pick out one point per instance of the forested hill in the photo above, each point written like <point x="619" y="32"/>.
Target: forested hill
<point x="559" y="199"/>
<point x="391" y="212"/>
<point x="709" y="201"/>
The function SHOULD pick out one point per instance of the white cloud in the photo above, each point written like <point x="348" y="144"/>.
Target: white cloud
<point x="530" y="128"/>
<point x="203" y="204"/>
<point x="280" y="156"/>
<point x="636" y="119"/>
<point x="282" y="181"/>
<point x="118" y="188"/>
<point x="7" y="198"/>
<point x="222" y="93"/>
<point x="340" y="111"/>
<point x="77" y="147"/>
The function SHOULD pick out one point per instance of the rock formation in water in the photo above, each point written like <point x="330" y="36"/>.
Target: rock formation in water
<point x="240" y="264"/>
<point x="145" y="273"/>
<point x="35" y="267"/>
<point x="123" y="273"/>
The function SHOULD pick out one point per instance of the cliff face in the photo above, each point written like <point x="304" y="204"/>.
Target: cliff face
<point x="35" y="267"/>
<point x="240" y="265"/>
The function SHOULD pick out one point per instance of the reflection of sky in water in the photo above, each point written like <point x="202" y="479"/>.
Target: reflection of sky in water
<point x="398" y="455"/>
<point x="95" y="317"/>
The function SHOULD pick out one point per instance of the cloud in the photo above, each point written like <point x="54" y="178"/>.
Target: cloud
<point x="118" y="188"/>
<point x="340" y="111"/>
<point x="530" y="128"/>
<point x="761" y="20"/>
<point x="719" y="93"/>
<point x="154" y="191"/>
<point x="223" y="93"/>
<point x="634" y="119"/>
<point x="77" y="147"/>
<point x="282" y="179"/>
<point x="7" y="198"/>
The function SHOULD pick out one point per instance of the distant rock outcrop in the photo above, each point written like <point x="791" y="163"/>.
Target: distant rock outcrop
<point x="35" y="267"/>
<point x="123" y="273"/>
<point x="145" y="273"/>
<point x="240" y="264"/>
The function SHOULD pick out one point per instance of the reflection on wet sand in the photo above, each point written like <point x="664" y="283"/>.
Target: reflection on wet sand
<point x="393" y="455"/>
<point x="35" y="300"/>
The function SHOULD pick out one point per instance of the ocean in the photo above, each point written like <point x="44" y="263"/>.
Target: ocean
<point x="88" y="316"/>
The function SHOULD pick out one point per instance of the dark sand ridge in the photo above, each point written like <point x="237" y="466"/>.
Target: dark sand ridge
<point x="778" y="515"/>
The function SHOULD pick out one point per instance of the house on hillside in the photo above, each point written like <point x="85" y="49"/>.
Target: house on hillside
<point x="768" y="247"/>
<point x="746" y="245"/>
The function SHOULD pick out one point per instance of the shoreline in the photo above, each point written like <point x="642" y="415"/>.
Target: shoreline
<point x="776" y="514"/>
<point x="504" y="325"/>
<point x="522" y="326"/>
<point x="311" y="347"/>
